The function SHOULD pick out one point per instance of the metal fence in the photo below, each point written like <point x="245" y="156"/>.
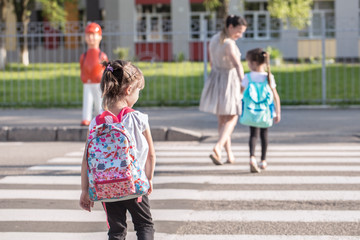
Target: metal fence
<point x="315" y="70"/>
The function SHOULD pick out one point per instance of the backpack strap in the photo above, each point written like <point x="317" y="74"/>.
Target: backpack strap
<point x="106" y="117"/>
<point x="124" y="111"/>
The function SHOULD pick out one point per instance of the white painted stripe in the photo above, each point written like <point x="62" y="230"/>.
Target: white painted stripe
<point x="42" y="180"/>
<point x="75" y="154"/>
<point x="288" y="153"/>
<point x="269" y="153"/>
<point x="203" y="179"/>
<point x="73" y="168"/>
<point x="206" y="159"/>
<point x="211" y="167"/>
<point x="66" y="160"/>
<point x="228" y="167"/>
<point x="63" y="215"/>
<point x="230" y="180"/>
<point x="244" y="147"/>
<point x="191" y="194"/>
<point x="161" y="236"/>
<point x="5" y="144"/>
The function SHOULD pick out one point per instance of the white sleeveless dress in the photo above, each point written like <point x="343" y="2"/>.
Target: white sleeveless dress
<point x="221" y="94"/>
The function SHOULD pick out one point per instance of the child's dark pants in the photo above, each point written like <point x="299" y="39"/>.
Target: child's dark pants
<point x="140" y="214"/>
<point x="254" y="133"/>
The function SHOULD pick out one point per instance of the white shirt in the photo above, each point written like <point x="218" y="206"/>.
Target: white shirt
<point x="258" y="77"/>
<point x="135" y="123"/>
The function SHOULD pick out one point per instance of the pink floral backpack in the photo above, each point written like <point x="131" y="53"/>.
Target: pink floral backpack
<point x="114" y="172"/>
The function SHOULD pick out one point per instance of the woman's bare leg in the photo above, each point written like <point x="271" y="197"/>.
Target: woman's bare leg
<point x="226" y="124"/>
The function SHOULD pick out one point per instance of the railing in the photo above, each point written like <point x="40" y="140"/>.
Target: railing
<point x="314" y="71"/>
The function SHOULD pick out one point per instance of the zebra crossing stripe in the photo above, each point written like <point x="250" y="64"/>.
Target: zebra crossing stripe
<point x="245" y="147"/>
<point x="211" y="167"/>
<point x="191" y="194"/>
<point x="161" y="236"/>
<point x="204" y="179"/>
<point x="269" y="154"/>
<point x="184" y="215"/>
<point x="205" y="159"/>
<point x="69" y="160"/>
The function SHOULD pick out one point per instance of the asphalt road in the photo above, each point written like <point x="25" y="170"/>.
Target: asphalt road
<point x="310" y="191"/>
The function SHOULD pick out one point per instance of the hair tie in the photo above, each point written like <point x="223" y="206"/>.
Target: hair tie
<point x="109" y="68"/>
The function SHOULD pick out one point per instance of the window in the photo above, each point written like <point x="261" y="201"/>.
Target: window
<point x="198" y="15"/>
<point x="260" y="24"/>
<point x="321" y="10"/>
<point x="153" y="23"/>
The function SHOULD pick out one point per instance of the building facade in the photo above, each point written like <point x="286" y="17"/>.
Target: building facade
<point x="168" y="30"/>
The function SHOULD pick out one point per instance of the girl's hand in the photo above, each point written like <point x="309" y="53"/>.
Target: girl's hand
<point x="151" y="187"/>
<point x="85" y="202"/>
<point x="277" y="118"/>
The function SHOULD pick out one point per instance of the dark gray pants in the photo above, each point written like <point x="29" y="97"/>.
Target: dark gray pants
<point x="140" y="214"/>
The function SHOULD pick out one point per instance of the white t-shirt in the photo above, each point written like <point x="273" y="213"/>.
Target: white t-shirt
<point x="258" y="77"/>
<point x="136" y="123"/>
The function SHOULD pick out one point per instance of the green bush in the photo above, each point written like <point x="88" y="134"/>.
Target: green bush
<point x="122" y="53"/>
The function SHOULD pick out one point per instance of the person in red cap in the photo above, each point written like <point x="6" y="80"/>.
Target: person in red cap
<point x="91" y="72"/>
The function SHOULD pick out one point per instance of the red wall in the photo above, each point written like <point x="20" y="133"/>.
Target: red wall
<point x="157" y="51"/>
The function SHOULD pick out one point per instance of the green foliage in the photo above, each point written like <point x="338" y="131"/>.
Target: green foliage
<point x="212" y="5"/>
<point x="121" y="53"/>
<point x="53" y="10"/>
<point x="220" y="6"/>
<point x="180" y="57"/>
<point x="296" y="11"/>
<point x="275" y="53"/>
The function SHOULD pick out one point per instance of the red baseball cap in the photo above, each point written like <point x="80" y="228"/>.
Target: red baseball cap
<point x="93" y="28"/>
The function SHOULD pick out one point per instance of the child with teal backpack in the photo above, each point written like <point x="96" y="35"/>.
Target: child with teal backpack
<point x="261" y="104"/>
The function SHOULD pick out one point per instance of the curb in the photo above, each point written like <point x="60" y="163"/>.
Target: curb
<point x="76" y="134"/>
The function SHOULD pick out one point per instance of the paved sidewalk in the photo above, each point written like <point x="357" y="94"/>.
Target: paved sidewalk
<point x="298" y="125"/>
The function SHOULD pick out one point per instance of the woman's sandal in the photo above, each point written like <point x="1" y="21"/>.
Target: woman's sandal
<point x="229" y="161"/>
<point x="215" y="158"/>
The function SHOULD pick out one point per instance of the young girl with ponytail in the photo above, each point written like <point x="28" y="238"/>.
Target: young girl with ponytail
<point x="258" y="60"/>
<point x="120" y="86"/>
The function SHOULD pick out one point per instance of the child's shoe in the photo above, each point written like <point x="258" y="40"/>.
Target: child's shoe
<point x="263" y="165"/>
<point x="254" y="166"/>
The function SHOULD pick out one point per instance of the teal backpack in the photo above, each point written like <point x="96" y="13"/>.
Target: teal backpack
<point x="257" y="104"/>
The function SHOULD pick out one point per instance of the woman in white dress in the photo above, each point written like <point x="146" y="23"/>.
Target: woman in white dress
<point x="221" y="94"/>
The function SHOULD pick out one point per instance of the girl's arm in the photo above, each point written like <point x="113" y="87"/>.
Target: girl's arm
<point x="85" y="202"/>
<point x="151" y="159"/>
<point x="277" y="106"/>
<point x="230" y="51"/>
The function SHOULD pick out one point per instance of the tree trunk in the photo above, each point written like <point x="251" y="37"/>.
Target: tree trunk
<point x="3" y="10"/>
<point x="2" y="54"/>
<point x="23" y="11"/>
<point x="223" y="10"/>
<point x="24" y="48"/>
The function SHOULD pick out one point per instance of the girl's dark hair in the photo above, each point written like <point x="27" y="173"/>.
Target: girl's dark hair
<point x="233" y="20"/>
<point x="117" y="76"/>
<point x="259" y="56"/>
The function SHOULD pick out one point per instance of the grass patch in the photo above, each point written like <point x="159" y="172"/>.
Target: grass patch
<point x="181" y="83"/>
